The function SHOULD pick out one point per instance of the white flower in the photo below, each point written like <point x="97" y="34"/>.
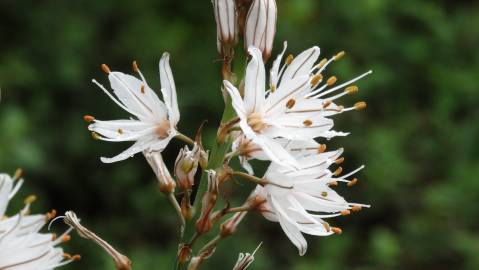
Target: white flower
<point x="247" y="150"/>
<point x="260" y="26"/>
<point x="154" y="122"/>
<point x="22" y="246"/>
<point x="226" y="21"/>
<point x="302" y="208"/>
<point x="295" y="107"/>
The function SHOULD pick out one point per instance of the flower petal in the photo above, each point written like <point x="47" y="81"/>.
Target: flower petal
<point x="254" y="89"/>
<point x="168" y="89"/>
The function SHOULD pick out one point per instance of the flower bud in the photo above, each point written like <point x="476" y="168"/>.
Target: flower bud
<point x="260" y="26"/>
<point x="226" y="22"/>
<point x="208" y="202"/>
<point x="166" y="182"/>
<point x="186" y="165"/>
<point x="229" y="227"/>
<point x="184" y="253"/>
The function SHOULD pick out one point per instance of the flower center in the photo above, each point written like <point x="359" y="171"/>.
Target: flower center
<point x="162" y="129"/>
<point x="255" y="121"/>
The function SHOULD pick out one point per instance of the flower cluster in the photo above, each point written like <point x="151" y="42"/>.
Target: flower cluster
<point x="276" y="118"/>
<point x="22" y="245"/>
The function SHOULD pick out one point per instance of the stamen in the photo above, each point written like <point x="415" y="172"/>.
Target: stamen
<point x="326" y="104"/>
<point x="307" y="122"/>
<point x="290" y="103"/>
<point x="351" y="89"/>
<point x="105" y="68"/>
<point x="352" y="182"/>
<point x="339" y="160"/>
<point x="142" y="90"/>
<point x="54" y="236"/>
<point x="360" y="105"/>
<point x="50" y="215"/>
<point x="321" y="148"/>
<point x="18" y="174"/>
<point x="337" y="230"/>
<point x="120" y="131"/>
<point x="332" y="80"/>
<point x="95" y="136"/>
<point x="339" y="55"/>
<point x="30" y="199"/>
<point x="324" y="194"/>
<point x="316" y="79"/>
<point x="88" y="118"/>
<point x="289" y="59"/>
<point x="66" y="238"/>
<point x="345" y="212"/>
<point x="333" y="184"/>
<point x="135" y="66"/>
<point x="326" y="226"/>
<point x="322" y="63"/>
<point x="338" y="171"/>
<point x="356" y="208"/>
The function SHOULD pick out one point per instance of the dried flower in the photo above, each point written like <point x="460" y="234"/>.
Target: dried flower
<point x="166" y="182"/>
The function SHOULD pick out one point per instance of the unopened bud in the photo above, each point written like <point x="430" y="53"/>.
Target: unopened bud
<point x="187" y="210"/>
<point x="229" y="227"/>
<point x="260" y="26"/>
<point x="226" y="22"/>
<point x="184" y="254"/>
<point x="166" y="182"/>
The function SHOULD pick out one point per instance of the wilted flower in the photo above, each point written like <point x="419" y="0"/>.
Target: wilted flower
<point x="154" y="122"/>
<point x="226" y="22"/>
<point x="295" y="107"/>
<point x="302" y="208"/>
<point x="186" y="165"/>
<point x="208" y="202"/>
<point x="260" y="26"/>
<point x="166" y="182"/>
<point x="22" y="246"/>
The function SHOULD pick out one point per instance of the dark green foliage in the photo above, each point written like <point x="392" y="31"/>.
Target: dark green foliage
<point x="418" y="137"/>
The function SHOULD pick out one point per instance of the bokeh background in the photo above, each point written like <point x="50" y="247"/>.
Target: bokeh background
<point x="418" y="136"/>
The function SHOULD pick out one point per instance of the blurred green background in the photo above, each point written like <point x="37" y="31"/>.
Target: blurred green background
<point x="417" y="138"/>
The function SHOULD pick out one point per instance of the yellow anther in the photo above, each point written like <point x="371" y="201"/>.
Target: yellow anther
<point x="18" y="174"/>
<point x="95" y="136"/>
<point x="326" y="104"/>
<point x="322" y="63"/>
<point x="337" y="230"/>
<point x="76" y="257"/>
<point x="30" y="199"/>
<point x="324" y="194"/>
<point x="356" y="208"/>
<point x="332" y="80"/>
<point x="352" y="182"/>
<point x="339" y="55"/>
<point x="339" y="160"/>
<point x="307" y="122"/>
<point x="290" y="103"/>
<point x="333" y="183"/>
<point x="54" y="236"/>
<point x="273" y="88"/>
<point x="351" y="89"/>
<point x="345" y="212"/>
<point x="135" y="66"/>
<point x="322" y="148"/>
<point x="142" y="89"/>
<point x="66" y="238"/>
<point x="105" y="68"/>
<point x="120" y="131"/>
<point x="88" y="118"/>
<point x="326" y="226"/>
<point x="338" y="171"/>
<point x="316" y="79"/>
<point x="289" y="59"/>
<point x="360" y="105"/>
